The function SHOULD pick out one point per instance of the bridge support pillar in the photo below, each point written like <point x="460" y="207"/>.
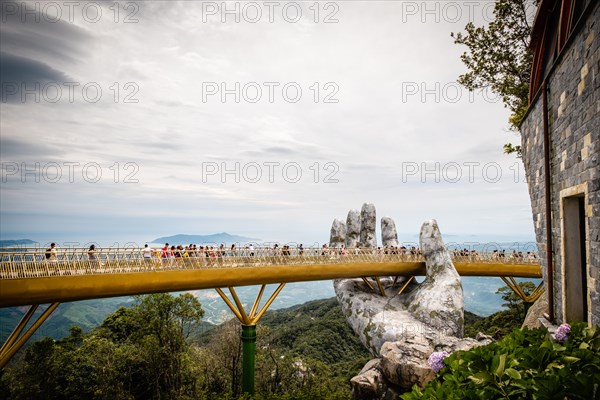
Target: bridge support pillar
<point x="248" y="321"/>
<point x="248" y="360"/>
<point x="528" y="300"/>
<point x="15" y="341"/>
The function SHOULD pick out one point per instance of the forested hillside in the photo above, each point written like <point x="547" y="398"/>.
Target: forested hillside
<point x="160" y="348"/>
<point x="154" y="350"/>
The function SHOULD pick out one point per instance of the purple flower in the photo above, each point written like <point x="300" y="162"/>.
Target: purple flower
<point x="562" y="333"/>
<point x="436" y="360"/>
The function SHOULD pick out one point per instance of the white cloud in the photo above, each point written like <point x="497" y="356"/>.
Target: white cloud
<point x="374" y="54"/>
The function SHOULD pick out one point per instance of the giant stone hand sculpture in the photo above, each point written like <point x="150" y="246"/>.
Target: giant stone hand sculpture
<point x="404" y="329"/>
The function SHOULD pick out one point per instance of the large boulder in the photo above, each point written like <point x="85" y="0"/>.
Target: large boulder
<point x="405" y="362"/>
<point x="353" y="229"/>
<point x="370" y="382"/>
<point x="368" y="223"/>
<point x="337" y="236"/>
<point x="389" y="235"/>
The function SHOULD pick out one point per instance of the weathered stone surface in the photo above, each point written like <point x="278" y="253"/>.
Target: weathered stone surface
<point x="537" y="311"/>
<point x="352" y="229"/>
<point x="370" y="382"/>
<point x="574" y="135"/>
<point x="482" y="337"/>
<point x="374" y="363"/>
<point x="374" y="318"/>
<point x="337" y="236"/>
<point x="451" y="344"/>
<point x="368" y="385"/>
<point x="377" y="319"/>
<point x="393" y="393"/>
<point x="389" y="235"/>
<point x="405" y="329"/>
<point x="433" y="308"/>
<point x="438" y="301"/>
<point x="404" y="363"/>
<point x="368" y="223"/>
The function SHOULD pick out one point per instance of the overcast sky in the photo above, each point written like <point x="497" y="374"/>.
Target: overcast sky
<point x="119" y="119"/>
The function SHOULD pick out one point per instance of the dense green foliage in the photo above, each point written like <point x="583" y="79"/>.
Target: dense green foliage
<point x="303" y="352"/>
<point x="138" y="352"/>
<point x="526" y="364"/>
<point x="159" y="348"/>
<point x="318" y="331"/>
<point x="145" y="352"/>
<point x="499" y="57"/>
<point x="496" y="325"/>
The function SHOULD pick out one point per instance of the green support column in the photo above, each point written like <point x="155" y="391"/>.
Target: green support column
<point x="248" y="347"/>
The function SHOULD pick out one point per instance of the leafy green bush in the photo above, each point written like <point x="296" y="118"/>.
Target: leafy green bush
<point x="526" y="364"/>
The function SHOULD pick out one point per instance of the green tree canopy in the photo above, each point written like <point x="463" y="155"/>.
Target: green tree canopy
<point x="499" y="58"/>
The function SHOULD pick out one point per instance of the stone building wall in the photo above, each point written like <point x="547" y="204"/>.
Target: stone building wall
<point x="574" y="125"/>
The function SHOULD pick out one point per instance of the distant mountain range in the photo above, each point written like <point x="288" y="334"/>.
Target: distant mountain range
<point x="19" y="242"/>
<point x="86" y="314"/>
<point x="223" y="237"/>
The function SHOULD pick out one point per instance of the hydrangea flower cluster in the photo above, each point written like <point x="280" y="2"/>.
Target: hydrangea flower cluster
<point x="436" y="360"/>
<point x="562" y="333"/>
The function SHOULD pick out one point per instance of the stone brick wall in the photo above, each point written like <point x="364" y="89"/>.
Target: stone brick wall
<point x="574" y="125"/>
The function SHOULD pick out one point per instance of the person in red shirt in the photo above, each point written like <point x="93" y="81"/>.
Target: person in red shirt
<point x="165" y="254"/>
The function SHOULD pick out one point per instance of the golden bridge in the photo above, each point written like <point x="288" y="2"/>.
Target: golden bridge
<point x="29" y="277"/>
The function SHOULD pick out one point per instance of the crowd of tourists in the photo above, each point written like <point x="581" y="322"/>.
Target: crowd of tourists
<point x="385" y="250"/>
<point x="169" y="254"/>
<point x="496" y="254"/>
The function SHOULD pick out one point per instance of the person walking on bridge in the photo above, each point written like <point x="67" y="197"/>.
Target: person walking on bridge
<point x="92" y="258"/>
<point x="165" y="255"/>
<point x="53" y="254"/>
<point x="147" y="255"/>
<point x="52" y="259"/>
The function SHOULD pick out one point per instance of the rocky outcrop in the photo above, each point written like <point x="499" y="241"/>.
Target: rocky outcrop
<point x="405" y="362"/>
<point x="337" y="236"/>
<point x="535" y="312"/>
<point x="370" y="382"/>
<point x="389" y="236"/>
<point x="368" y="222"/>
